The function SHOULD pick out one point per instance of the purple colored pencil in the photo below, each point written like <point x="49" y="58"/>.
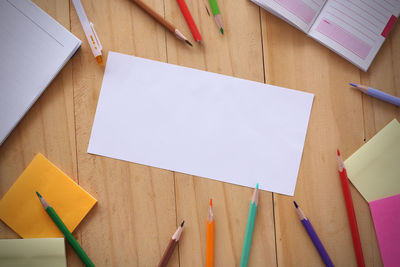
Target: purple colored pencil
<point x="314" y="237"/>
<point x="378" y="94"/>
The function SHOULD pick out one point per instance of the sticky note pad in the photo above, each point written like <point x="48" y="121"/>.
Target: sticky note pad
<point x="36" y="252"/>
<point x="22" y="211"/>
<point x="386" y="215"/>
<point x="374" y="169"/>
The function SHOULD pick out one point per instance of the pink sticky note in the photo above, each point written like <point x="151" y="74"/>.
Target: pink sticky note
<point x="386" y="215"/>
<point x="344" y="38"/>
<point x="299" y="9"/>
<point x="389" y="26"/>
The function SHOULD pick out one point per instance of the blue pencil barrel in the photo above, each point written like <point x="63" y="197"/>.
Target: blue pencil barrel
<point x="317" y="243"/>
<point x="384" y="96"/>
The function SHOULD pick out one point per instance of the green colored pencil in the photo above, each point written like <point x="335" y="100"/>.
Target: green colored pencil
<point x="216" y="14"/>
<point x="249" y="229"/>
<point x="63" y="228"/>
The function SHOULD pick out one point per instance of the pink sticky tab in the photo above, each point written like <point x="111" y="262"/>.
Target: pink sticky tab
<point x="344" y="38"/>
<point x="386" y="215"/>
<point x="299" y="9"/>
<point x="389" y="26"/>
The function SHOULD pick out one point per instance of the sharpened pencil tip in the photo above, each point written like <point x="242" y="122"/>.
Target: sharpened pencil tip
<point x="189" y="43"/>
<point x="208" y="12"/>
<point x="353" y="84"/>
<point x="338" y="152"/>
<point x="257" y="186"/>
<point x="37" y="193"/>
<point x="222" y="30"/>
<point x="183" y="222"/>
<point x="210" y="201"/>
<point x="295" y="204"/>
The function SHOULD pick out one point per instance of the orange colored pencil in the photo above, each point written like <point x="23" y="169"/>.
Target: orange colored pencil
<point x="210" y="237"/>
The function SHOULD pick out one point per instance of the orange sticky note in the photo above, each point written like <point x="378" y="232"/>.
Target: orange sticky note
<point x="22" y="211"/>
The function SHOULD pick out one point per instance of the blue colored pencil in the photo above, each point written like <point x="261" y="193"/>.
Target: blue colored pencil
<point x="378" y="94"/>
<point x="314" y="237"/>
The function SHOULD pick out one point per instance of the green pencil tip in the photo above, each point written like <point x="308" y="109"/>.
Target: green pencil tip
<point x="222" y="30"/>
<point x="38" y="194"/>
<point x="257" y="186"/>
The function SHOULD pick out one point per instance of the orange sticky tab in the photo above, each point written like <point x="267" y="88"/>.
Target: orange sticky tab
<point x="22" y="211"/>
<point x="99" y="59"/>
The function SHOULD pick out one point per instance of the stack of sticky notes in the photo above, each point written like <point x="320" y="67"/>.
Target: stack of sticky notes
<point x="35" y="252"/>
<point x="23" y="212"/>
<point x="374" y="170"/>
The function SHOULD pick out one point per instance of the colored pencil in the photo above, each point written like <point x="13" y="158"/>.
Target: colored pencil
<point x="314" y="237"/>
<point x="210" y="237"/>
<point x="171" y="246"/>
<point x="249" y="229"/>
<point x="162" y="21"/>
<point x="350" y="211"/>
<point x="216" y="14"/>
<point x="378" y="94"/>
<point x="63" y="228"/>
<point x="189" y="20"/>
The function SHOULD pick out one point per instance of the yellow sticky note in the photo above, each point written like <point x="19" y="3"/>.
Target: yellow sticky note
<point x="22" y="211"/>
<point x="374" y="169"/>
<point x="36" y="252"/>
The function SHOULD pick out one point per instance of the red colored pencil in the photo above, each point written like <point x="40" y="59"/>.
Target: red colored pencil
<point x="189" y="20"/>
<point x="350" y="212"/>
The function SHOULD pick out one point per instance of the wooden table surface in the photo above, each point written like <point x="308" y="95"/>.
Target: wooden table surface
<point x="139" y="207"/>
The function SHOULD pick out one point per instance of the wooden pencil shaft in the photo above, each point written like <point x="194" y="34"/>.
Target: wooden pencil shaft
<point x="68" y="235"/>
<point x="167" y="253"/>
<point x="248" y="235"/>
<point x="63" y="228"/>
<point x="210" y="244"/>
<point x="214" y="7"/>
<point x="350" y="212"/>
<point x="352" y="219"/>
<point x="317" y="242"/>
<point x="155" y="15"/>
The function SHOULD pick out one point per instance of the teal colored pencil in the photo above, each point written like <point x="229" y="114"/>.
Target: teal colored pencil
<point x="216" y="14"/>
<point x="249" y="229"/>
<point x="63" y="228"/>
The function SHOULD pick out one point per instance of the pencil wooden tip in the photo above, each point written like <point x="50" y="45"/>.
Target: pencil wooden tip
<point x="37" y="193"/>
<point x="189" y="43"/>
<point x="295" y="204"/>
<point x="338" y="152"/>
<point x="210" y="201"/>
<point x="208" y="12"/>
<point x="182" y="223"/>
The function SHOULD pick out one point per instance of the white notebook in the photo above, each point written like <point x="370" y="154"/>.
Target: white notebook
<point x="354" y="29"/>
<point x="201" y="123"/>
<point x="33" y="49"/>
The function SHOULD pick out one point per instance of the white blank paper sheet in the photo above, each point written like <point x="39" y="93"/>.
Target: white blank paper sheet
<point x="200" y="123"/>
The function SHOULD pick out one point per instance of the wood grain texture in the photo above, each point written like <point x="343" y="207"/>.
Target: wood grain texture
<point x="384" y="74"/>
<point x="136" y="210"/>
<point x="293" y="60"/>
<point x="48" y="128"/>
<point x="139" y="207"/>
<point x="237" y="53"/>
